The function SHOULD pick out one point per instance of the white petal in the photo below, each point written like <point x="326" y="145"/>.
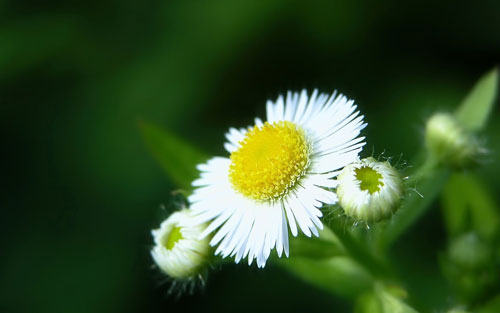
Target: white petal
<point x="217" y="222"/>
<point x="279" y="109"/>
<point x="229" y="227"/>
<point x="301" y="106"/>
<point x="279" y="228"/>
<point x="270" y="112"/>
<point x="301" y="217"/>
<point x="291" y="219"/>
<point x="291" y="105"/>
<point x="284" y="233"/>
<point x="258" y="122"/>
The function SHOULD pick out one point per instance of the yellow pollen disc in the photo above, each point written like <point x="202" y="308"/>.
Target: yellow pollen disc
<point x="270" y="161"/>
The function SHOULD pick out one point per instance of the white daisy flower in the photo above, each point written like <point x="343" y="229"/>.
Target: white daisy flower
<point x="278" y="175"/>
<point x="178" y="251"/>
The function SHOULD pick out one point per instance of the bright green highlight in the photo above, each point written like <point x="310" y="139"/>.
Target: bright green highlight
<point x="370" y="179"/>
<point x="170" y="239"/>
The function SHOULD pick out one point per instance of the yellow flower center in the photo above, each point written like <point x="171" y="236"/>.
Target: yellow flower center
<point x="271" y="159"/>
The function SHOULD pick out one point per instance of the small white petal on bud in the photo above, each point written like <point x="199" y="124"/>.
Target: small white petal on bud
<point x="369" y="191"/>
<point x="178" y="252"/>
<point x="449" y="142"/>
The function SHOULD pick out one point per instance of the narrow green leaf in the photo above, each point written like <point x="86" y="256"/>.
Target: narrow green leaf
<point x="339" y="275"/>
<point x="476" y="107"/>
<point x="177" y="157"/>
<point x="326" y="246"/>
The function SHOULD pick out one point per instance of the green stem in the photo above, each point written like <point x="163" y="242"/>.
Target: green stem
<point x="428" y="180"/>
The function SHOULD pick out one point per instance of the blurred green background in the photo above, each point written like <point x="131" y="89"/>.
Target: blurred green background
<point x="81" y="191"/>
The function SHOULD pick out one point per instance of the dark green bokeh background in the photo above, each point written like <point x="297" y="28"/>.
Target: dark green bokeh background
<point x="81" y="192"/>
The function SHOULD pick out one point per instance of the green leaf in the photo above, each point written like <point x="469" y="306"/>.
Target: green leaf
<point x="478" y="104"/>
<point x="327" y="245"/>
<point x="468" y="205"/>
<point x="177" y="157"/>
<point x="339" y="275"/>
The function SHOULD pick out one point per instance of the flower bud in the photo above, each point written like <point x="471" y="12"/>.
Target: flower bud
<point x="470" y="264"/>
<point x="369" y="191"/>
<point x="178" y="252"/>
<point x="469" y="251"/>
<point x="449" y="142"/>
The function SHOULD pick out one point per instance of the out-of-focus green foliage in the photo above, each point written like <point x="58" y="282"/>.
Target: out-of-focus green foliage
<point x="472" y="220"/>
<point x="28" y="43"/>
<point x="493" y="306"/>
<point x="468" y="205"/>
<point x="424" y="188"/>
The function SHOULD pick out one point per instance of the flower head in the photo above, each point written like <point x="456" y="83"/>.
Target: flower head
<point x="178" y="251"/>
<point x="449" y="142"/>
<point x="369" y="190"/>
<point x="278" y="175"/>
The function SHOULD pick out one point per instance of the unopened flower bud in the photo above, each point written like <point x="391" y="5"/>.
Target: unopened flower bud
<point x="369" y="191"/>
<point x="449" y="142"/>
<point x="178" y="252"/>
<point x="469" y="251"/>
